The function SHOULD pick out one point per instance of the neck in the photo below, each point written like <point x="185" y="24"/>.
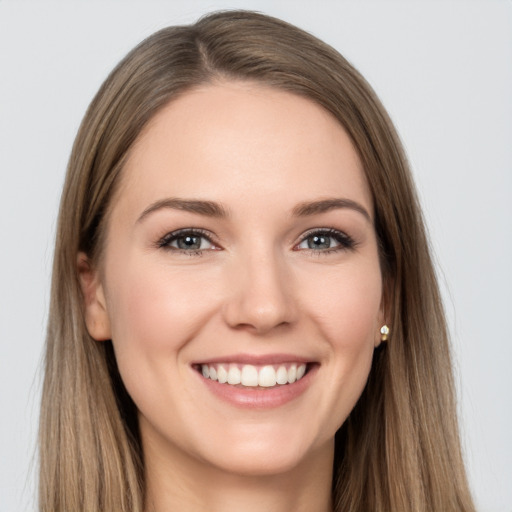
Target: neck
<point x="191" y="485"/>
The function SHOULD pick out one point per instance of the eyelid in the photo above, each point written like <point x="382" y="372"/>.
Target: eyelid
<point x="345" y="241"/>
<point x="164" y="241"/>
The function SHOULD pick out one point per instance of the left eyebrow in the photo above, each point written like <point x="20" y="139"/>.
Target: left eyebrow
<point x="315" y="207"/>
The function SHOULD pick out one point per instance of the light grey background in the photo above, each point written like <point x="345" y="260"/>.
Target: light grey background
<point x="444" y="71"/>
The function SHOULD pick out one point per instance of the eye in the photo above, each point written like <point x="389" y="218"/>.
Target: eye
<point x="192" y="241"/>
<point x="325" y="240"/>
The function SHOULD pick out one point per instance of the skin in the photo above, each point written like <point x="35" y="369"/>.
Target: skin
<point x="256" y="288"/>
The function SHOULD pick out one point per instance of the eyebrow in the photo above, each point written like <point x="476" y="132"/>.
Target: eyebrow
<point x="315" y="207"/>
<point x="207" y="208"/>
<point x="213" y="209"/>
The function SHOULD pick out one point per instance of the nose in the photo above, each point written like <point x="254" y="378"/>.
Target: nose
<point x="260" y="296"/>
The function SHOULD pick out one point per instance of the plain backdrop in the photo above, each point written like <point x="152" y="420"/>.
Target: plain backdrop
<point x="443" y="70"/>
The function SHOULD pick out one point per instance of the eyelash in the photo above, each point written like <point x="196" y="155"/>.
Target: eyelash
<point x="165" y="241"/>
<point x="345" y="241"/>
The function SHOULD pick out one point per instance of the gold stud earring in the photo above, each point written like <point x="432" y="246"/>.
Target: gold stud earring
<point x="384" y="333"/>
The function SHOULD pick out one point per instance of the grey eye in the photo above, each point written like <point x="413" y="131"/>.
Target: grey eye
<point x="325" y="240"/>
<point x="319" y="241"/>
<point x="191" y="242"/>
<point x="187" y="240"/>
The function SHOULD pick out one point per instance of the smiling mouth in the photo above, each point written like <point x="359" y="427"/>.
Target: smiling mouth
<point x="254" y="376"/>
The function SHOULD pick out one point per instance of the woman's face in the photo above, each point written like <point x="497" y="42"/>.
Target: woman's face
<point x="240" y="245"/>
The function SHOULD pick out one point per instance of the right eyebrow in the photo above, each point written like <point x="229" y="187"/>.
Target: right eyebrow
<point x="207" y="208"/>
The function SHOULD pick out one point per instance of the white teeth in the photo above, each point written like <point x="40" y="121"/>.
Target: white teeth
<point x="222" y="374"/>
<point x="282" y="375"/>
<point x="249" y="376"/>
<point x="234" y="374"/>
<point x="252" y="376"/>
<point x="267" y="377"/>
<point x="292" y="374"/>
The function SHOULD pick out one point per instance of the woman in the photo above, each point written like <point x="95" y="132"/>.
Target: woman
<point x="244" y="310"/>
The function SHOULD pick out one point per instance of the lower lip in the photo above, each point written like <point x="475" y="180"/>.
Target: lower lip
<point x="260" y="398"/>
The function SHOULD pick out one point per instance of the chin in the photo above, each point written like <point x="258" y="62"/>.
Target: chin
<point x="266" y="454"/>
<point x="258" y="464"/>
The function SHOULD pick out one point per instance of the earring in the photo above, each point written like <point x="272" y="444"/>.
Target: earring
<point x="384" y="333"/>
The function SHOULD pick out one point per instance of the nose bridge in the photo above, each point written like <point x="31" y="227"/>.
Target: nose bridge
<point x="261" y="297"/>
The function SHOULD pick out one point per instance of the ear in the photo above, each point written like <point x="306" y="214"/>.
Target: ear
<point x="95" y="307"/>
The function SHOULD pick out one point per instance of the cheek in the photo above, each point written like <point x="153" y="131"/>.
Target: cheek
<point x="154" y="312"/>
<point x="348" y="306"/>
<point x="347" y="312"/>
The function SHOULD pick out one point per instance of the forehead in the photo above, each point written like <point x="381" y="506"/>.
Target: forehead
<point x="243" y="141"/>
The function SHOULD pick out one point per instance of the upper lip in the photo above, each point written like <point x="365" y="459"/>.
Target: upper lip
<point x="256" y="359"/>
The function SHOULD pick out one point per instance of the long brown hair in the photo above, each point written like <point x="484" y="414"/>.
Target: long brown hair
<point x="399" y="449"/>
